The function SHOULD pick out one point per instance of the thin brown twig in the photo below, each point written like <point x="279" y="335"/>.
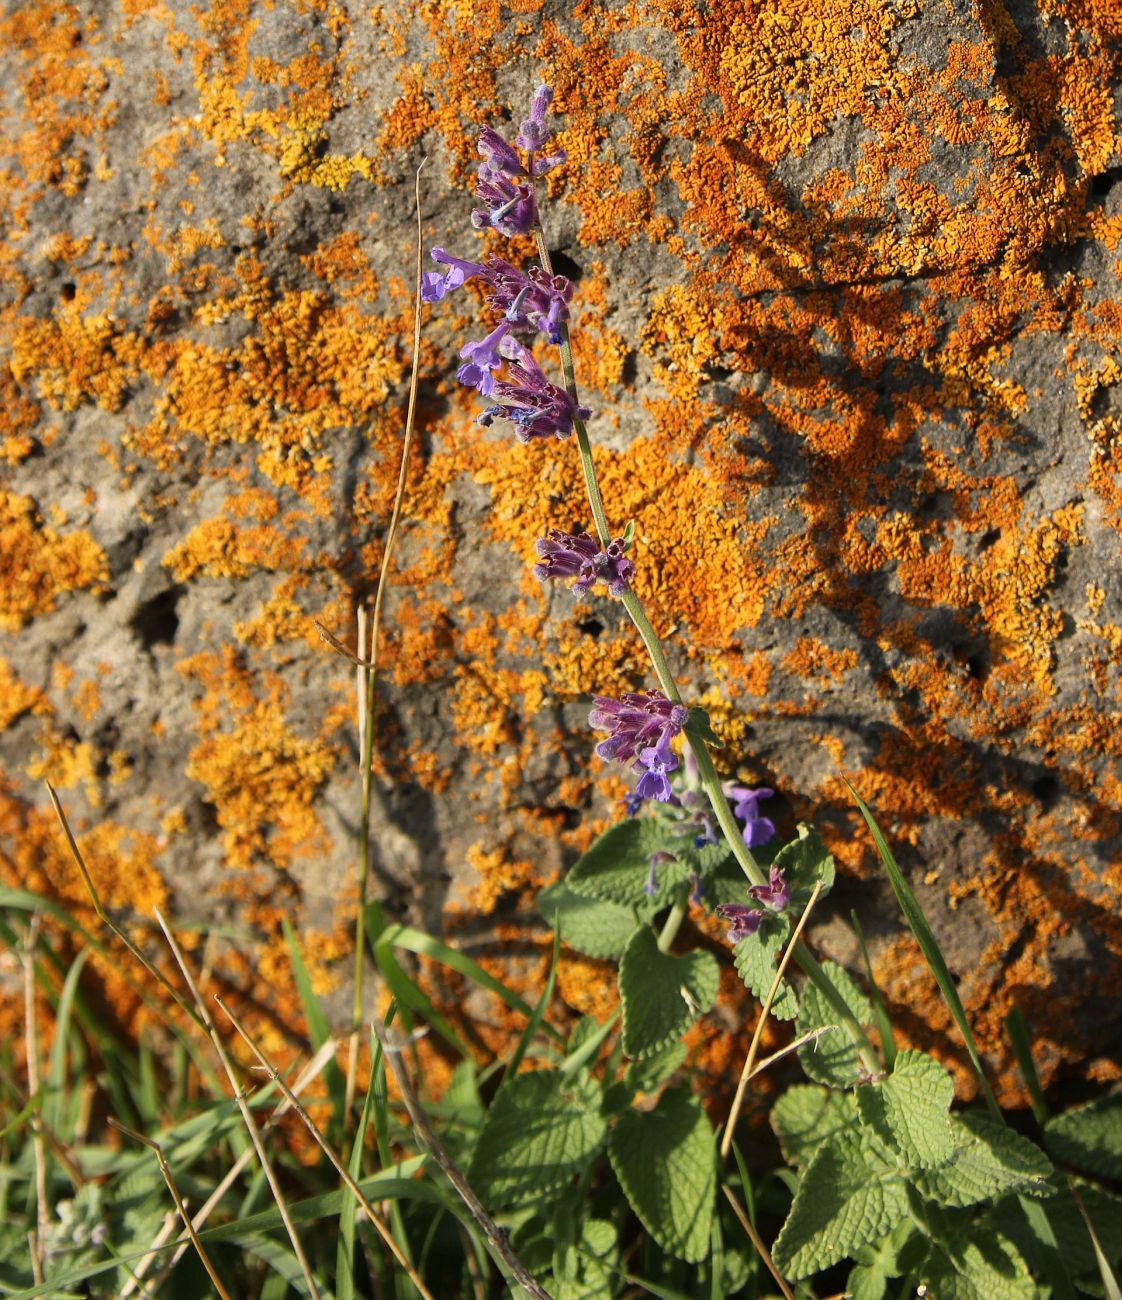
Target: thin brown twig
<point x="750" y="1059"/>
<point x="495" y="1235"/>
<point x="31" y="1047"/>
<point x="165" y="1169"/>
<point x="757" y="1241"/>
<point x="247" y="1117"/>
<point x="104" y="916"/>
<point x="310" y="1072"/>
<point x="368" y="665"/>
<point x="352" y="1186"/>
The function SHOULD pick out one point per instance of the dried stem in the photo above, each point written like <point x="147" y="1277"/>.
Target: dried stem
<point x="750" y="1059"/>
<point x="757" y="1241"/>
<point x="367" y="660"/>
<point x="495" y="1235"/>
<point x="31" y="1047"/>
<point x="352" y="1186"/>
<point x="247" y="1117"/>
<point x="165" y="1169"/>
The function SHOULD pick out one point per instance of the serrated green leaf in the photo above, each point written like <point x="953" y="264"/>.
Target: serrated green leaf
<point x="917" y="1097"/>
<point x="877" y="1262"/>
<point x="592" y="926"/>
<point x="617" y="866"/>
<point x="845" y="1199"/>
<point x="985" y="1267"/>
<point x="662" y="995"/>
<point x="756" y="958"/>
<point x="1089" y="1137"/>
<point x="665" y="1160"/>
<point x="646" y="1075"/>
<point x="989" y="1161"/>
<point x="805" y="862"/>
<point x="806" y="1116"/>
<point x="832" y="1057"/>
<point x="539" y="1132"/>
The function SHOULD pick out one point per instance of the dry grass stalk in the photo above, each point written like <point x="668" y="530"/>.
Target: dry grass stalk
<point x="375" y="1218"/>
<point x="757" y="1241"/>
<point x="165" y="1169"/>
<point x="749" y="1062"/>
<point x="247" y="1117"/>
<point x="495" y="1235"/>
<point x="31" y="1047"/>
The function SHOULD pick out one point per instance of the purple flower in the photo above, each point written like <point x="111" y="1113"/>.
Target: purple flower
<point x="577" y="555"/>
<point x="757" y="828"/>
<point x="534" y="132"/>
<point x="776" y="894"/>
<point x="537" y="408"/>
<point x="641" y="726"/>
<point x="481" y="358"/>
<point x="745" y="920"/>
<point x="434" y="284"/>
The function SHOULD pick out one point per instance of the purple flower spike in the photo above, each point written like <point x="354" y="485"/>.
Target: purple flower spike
<point x="534" y="132"/>
<point x="577" y="555"/>
<point x="537" y="408"/>
<point x="481" y="358"/>
<point x="641" y="726"/>
<point x="757" y="828"/>
<point x="776" y="894"/>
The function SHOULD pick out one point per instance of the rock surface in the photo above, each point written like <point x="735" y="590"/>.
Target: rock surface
<point x="850" y="321"/>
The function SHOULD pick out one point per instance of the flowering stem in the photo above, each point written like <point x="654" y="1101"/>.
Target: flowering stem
<point x="710" y="781"/>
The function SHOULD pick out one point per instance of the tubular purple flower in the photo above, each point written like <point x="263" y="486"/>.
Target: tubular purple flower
<point x="744" y="920"/>
<point x="434" y="284"/>
<point x="758" y="829"/>
<point x="577" y="555"/>
<point x="776" y="894"/>
<point x="641" y="724"/>
<point x="537" y="408"/>
<point x="481" y="358"/>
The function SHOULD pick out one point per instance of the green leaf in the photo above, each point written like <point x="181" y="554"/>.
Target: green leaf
<point x="698" y="724"/>
<point x="985" y="1267"/>
<point x="539" y="1133"/>
<point x="806" y="1116"/>
<point x="592" y="926"/>
<point x="1089" y="1137"/>
<point x="832" y="1058"/>
<point x="756" y="957"/>
<point x="616" y="867"/>
<point x="917" y="923"/>
<point x="877" y="1263"/>
<point x="917" y="1096"/>
<point x="1073" y="1243"/>
<point x="805" y="862"/>
<point x="665" y="1162"/>
<point x="989" y="1161"/>
<point x="846" y="1198"/>
<point x="662" y="995"/>
<point x="646" y="1075"/>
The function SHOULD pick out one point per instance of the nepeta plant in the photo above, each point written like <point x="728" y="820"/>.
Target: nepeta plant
<point x="887" y="1176"/>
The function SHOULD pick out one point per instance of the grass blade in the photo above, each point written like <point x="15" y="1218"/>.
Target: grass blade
<point x="1017" y="1030"/>
<point x="884" y="1025"/>
<point x="317" y="1023"/>
<point x="917" y="923"/>
<point x="534" y="1023"/>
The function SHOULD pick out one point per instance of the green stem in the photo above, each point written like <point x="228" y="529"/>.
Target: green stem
<point x="710" y="781"/>
<point x="678" y="910"/>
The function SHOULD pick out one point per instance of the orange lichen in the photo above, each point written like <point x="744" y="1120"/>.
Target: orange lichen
<point x="41" y="564"/>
